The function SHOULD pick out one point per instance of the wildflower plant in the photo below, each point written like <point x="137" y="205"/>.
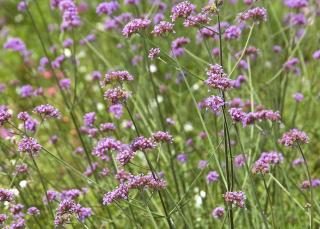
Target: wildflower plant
<point x="159" y="114"/>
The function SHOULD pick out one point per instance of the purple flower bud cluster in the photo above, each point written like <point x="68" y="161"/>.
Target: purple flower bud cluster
<point x="116" y="95"/>
<point x="89" y="119"/>
<point x="262" y="165"/>
<point x="70" y="17"/>
<point x="162" y="28"/>
<point x="29" y="145"/>
<point x="257" y="14"/>
<point x="182" y="10"/>
<point x="68" y="208"/>
<point x="236" y="198"/>
<point x="4" y="115"/>
<point x="218" y="212"/>
<point x="293" y="136"/>
<point x="153" y="53"/>
<point x="108" y="126"/>
<point x="232" y="32"/>
<point x="214" y="103"/>
<point x="238" y="115"/>
<point x="118" y="76"/>
<point x="107" y="8"/>
<point x="47" y="111"/>
<point x="142" y="143"/>
<point x="33" y="211"/>
<point x="6" y="195"/>
<point x="217" y="78"/>
<point x="212" y="176"/>
<point x="135" y="26"/>
<point x="162" y="136"/>
<point x="296" y="4"/>
<point x="133" y="182"/>
<point x="177" y="46"/>
<point x="196" y="20"/>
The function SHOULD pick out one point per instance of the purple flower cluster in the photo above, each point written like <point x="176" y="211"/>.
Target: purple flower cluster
<point x="116" y="76"/>
<point x="6" y="195"/>
<point x="182" y="10"/>
<point x="257" y="14"/>
<point x="105" y="145"/>
<point x="162" y="136"/>
<point x="67" y="208"/>
<point x="262" y="165"/>
<point x="212" y="176"/>
<point x="47" y="111"/>
<point x="214" y="103"/>
<point x="89" y="119"/>
<point x="142" y="143"/>
<point x="177" y="46"/>
<point x="70" y="17"/>
<point x="238" y="115"/>
<point x="4" y="115"/>
<point x="133" y="182"/>
<point x="162" y="28"/>
<point x="135" y="26"/>
<point x="218" y="212"/>
<point x="217" y="78"/>
<point x="237" y="198"/>
<point x="294" y="136"/>
<point x="197" y="20"/>
<point x="33" y="211"/>
<point x="116" y="95"/>
<point x="153" y="53"/>
<point x="107" y="8"/>
<point x="29" y="145"/>
<point x="232" y="32"/>
<point x="296" y="4"/>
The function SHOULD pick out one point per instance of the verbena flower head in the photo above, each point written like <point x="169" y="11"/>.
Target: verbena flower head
<point x="124" y="155"/>
<point x="153" y="53"/>
<point x="294" y="136"/>
<point x="296" y="4"/>
<point x="70" y="16"/>
<point x="213" y="103"/>
<point x="290" y="64"/>
<point x="298" y="97"/>
<point x="257" y="14"/>
<point x="105" y="145"/>
<point x="4" y="115"/>
<point x="218" y="212"/>
<point x="240" y="160"/>
<point x="89" y="119"/>
<point x="108" y="126"/>
<point x="116" y="76"/>
<point x="212" y="176"/>
<point x="6" y="195"/>
<point x="116" y="95"/>
<point x="142" y="143"/>
<point x="162" y="136"/>
<point x="232" y="32"/>
<point x="182" y="157"/>
<point x="146" y="181"/>
<point x="107" y="8"/>
<point x="163" y="28"/>
<point x="15" y="44"/>
<point x="236" y="114"/>
<point x="65" y="210"/>
<point x="217" y="78"/>
<point x="135" y="26"/>
<point x="121" y="192"/>
<point x="47" y="111"/>
<point x="181" y="10"/>
<point x="3" y="218"/>
<point x="237" y="198"/>
<point x="29" y="145"/>
<point x="197" y="20"/>
<point x="116" y="110"/>
<point x="131" y="2"/>
<point x="26" y="91"/>
<point x="33" y="211"/>
<point x="316" y="55"/>
<point x="177" y="46"/>
<point x="65" y="83"/>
